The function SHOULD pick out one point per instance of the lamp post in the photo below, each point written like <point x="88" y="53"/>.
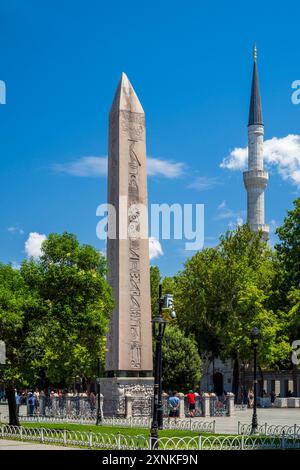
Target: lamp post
<point x="99" y="415"/>
<point x="159" y="326"/>
<point x="255" y="337"/>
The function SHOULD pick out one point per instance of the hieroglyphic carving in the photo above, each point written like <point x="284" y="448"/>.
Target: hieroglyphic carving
<point x="134" y="257"/>
<point x="133" y="124"/>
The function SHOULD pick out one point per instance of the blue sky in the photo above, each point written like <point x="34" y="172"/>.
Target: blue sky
<point x="190" y="64"/>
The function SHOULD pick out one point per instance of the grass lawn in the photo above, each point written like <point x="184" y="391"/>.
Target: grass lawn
<point x="137" y="437"/>
<point x="126" y="431"/>
<point x="131" y="433"/>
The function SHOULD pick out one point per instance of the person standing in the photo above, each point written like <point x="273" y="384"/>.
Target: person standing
<point x="36" y="395"/>
<point x="191" y="398"/>
<point x="250" y="399"/>
<point x="18" y="402"/>
<point x="43" y="402"/>
<point x="174" y="403"/>
<point x="31" y="403"/>
<point x="92" y="402"/>
<point x="273" y="397"/>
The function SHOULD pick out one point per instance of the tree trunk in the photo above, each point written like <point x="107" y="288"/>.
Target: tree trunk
<point x="236" y="379"/>
<point x="12" y="408"/>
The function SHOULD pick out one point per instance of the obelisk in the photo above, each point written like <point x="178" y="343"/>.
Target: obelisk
<point x="129" y="342"/>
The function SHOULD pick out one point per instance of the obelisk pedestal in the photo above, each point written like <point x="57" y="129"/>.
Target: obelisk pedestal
<point x="129" y="342"/>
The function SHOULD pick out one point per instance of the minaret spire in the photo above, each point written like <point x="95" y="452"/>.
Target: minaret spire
<point x="254" y="53"/>
<point x="256" y="179"/>
<point x="255" y="112"/>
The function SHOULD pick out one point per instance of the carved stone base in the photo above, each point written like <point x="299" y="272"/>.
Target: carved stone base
<point x="127" y="396"/>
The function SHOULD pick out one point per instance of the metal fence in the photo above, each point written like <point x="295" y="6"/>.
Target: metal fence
<point x="133" y="422"/>
<point x="142" y="405"/>
<point x="218" y="407"/>
<point x="84" y="407"/>
<point x="121" y="442"/>
<point x="71" y="406"/>
<point x="271" y="429"/>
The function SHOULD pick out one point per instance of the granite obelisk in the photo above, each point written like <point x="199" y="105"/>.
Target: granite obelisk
<point x="129" y="343"/>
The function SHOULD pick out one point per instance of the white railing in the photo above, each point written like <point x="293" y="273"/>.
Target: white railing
<point x="271" y="429"/>
<point x="179" y="424"/>
<point x="120" y="442"/>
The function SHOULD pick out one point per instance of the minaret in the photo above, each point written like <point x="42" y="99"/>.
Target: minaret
<point x="256" y="179"/>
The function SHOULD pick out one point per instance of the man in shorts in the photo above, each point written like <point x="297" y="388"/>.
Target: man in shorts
<point x="174" y="405"/>
<point x="191" y="398"/>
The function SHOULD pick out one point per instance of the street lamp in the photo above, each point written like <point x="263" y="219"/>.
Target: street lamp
<point x="255" y="337"/>
<point x="159" y="326"/>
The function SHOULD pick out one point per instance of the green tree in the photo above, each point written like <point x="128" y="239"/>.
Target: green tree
<point x="168" y="285"/>
<point x="181" y="360"/>
<point x="248" y="262"/>
<point x="288" y="282"/>
<point x="288" y="249"/>
<point x="15" y="301"/>
<point x="196" y="296"/>
<point x="66" y="330"/>
<point x="294" y="314"/>
<point x="223" y="292"/>
<point x="54" y="315"/>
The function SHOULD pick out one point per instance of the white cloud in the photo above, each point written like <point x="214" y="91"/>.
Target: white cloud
<point x="232" y="225"/>
<point x="33" y="244"/>
<point x="202" y="183"/>
<point x="224" y="212"/>
<point x="15" y="229"/>
<point x="97" y="166"/>
<point x="281" y="153"/>
<point x="236" y="160"/>
<point x="85" y="166"/>
<point x="155" y="249"/>
<point x="165" y="168"/>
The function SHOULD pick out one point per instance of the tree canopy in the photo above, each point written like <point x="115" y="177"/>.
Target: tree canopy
<point x="54" y="314"/>
<point x="181" y="361"/>
<point x="288" y="249"/>
<point x="67" y="328"/>
<point x="223" y="292"/>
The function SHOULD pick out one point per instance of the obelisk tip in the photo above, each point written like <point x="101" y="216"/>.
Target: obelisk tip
<point x="125" y="97"/>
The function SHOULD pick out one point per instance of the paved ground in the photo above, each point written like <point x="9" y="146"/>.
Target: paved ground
<point x="6" y="444"/>
<point x="272" y="416"/>
<point x="287" y="416"/>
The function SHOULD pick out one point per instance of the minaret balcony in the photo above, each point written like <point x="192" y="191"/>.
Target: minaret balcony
<point x="260" y="227"/>
<point x="256" y="179"/>
<point x="263" y="228"/>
